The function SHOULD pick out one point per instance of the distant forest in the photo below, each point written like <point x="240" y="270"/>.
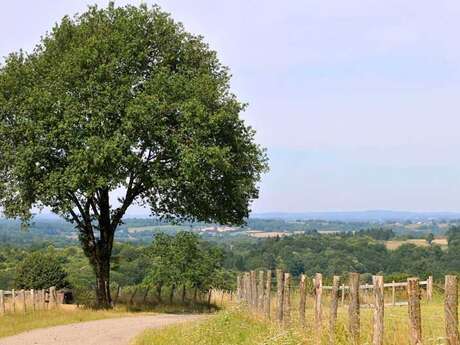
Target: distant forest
<point x="330" y="254"/>
<point x="141" y="230"/>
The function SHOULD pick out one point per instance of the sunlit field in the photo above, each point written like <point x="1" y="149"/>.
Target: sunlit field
<point x="236" y="325"/>
<point x="11" y="324"/>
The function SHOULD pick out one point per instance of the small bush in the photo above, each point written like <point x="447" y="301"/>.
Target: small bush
<point x="40" y="271"/>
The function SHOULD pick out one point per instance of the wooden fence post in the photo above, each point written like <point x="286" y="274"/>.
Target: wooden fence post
<point x="415" y="316"/>
<point x="451" y="310"/>
<point x="2" y="303"/>
<point x="243" y="288"/>
<point x="13" y="300"/>
<point x="353" y="308"/>
<point x="303" y="299"/>
<point x="52" y="297"/>
<point x="393" y="293"/>
<point x="377" y="337"/>
<point x="334" y="306"/>
<point x="253" y="289"/>
<point x="343" y="294"/>
<point x="32" y="297"/>
<point x="42" y="298"/>
<point x="318" y="309"/>
<point x="287" y="299"/>
<point x="248" y="289"/>
<point x="267" y="295"/>
<point x="23" y="297"/>
<point x="260" y="288"/>
<point x="238" y="288"/>
<point x="280" y="295"/>
<point x="429" y="288"/>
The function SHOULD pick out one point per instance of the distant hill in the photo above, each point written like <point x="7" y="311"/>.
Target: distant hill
<point x="361" y="216"/>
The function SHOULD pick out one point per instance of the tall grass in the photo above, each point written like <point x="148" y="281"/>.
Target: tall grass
<point x="238" y="326"/>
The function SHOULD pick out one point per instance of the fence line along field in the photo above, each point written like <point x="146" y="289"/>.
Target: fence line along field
<point x="354" y="313"/>
<point x="29" y="300"/>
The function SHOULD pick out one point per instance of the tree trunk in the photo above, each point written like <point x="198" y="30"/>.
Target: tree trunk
<point x="195" y="292"/>
<point x="183" y="293"/>
<point x="159" y="287"/>
<point x="171" y="295"/>
<point x="102" y="270"/>
<point x="98" y="247"/>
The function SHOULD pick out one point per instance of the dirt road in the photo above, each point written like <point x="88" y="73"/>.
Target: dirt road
<point x="118" y="331"/>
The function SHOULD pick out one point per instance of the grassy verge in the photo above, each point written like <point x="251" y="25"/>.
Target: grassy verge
<point x="237" y="327"/>
<point x="228" y="327"/>
<point x="11" y="324"/>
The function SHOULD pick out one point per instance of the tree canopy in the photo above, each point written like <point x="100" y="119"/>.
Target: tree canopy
<point x="123" y="99"/>
<point x="41" y="270"/>
<point x="182" y="260"/>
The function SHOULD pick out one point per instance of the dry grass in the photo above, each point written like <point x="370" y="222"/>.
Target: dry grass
<point x="236" y="326"/>
<point x="11" y="324"/>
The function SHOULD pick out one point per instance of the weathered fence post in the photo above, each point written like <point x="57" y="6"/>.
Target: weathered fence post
<point x="429" y="288"/>
<point x="243" y="287"/>
<point x="377" y="337"/>
<point x="260" y="302"/>
<point x="248" y="289"/>
<point x="23" y="297"/>
<point x="32" y="296"/>
<point x="393" y="293"/>
<point x="267" y="295"/>
<point x="2" y="302"/>
<point x="415" y="316"/>
<point x="451" y="310"/>
<point x="42" y="297"/>
<point x="334" y="306"/>
<point x="353" y="308"/>
<point x="13" y="300"/>
<point x="343" y="294"/>
<point x="238" y="288"/>
<point x="280" y="295"/>
<point x="366" y="294"/>
<point x="318" y="309"/>
<point x="209" y="298"/>
<point x="303" y="299"/>
<point x="53" y="296"/>
<point x="253" y="289"/>
<point x="287" y="299"/>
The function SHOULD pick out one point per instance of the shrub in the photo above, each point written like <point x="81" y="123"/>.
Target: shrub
<point x="40" y="271"/>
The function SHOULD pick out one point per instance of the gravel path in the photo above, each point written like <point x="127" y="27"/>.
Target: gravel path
<point x="119" y="331"/>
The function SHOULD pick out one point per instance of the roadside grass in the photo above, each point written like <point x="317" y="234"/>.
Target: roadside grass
<point x="236" y="326"/>
<point x="11" y="324"/>
<point x="228" y="327"/>
<point x="174" y="308"/>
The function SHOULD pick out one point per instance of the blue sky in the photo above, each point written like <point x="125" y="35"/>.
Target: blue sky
<point x="356" y="101"/>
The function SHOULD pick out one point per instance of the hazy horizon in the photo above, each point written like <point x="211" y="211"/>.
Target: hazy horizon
<point x="354" y="101"/>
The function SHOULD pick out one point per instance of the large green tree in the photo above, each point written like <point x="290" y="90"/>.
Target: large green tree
<point x="123" y="99"/>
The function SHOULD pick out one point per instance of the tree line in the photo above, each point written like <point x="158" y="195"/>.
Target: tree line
<point x="336" y="254"/>
<point x="173" y="264"/>
<point x="178" y="264"/>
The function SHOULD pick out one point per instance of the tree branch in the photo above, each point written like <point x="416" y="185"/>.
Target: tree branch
<point x="132" y="192"/>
